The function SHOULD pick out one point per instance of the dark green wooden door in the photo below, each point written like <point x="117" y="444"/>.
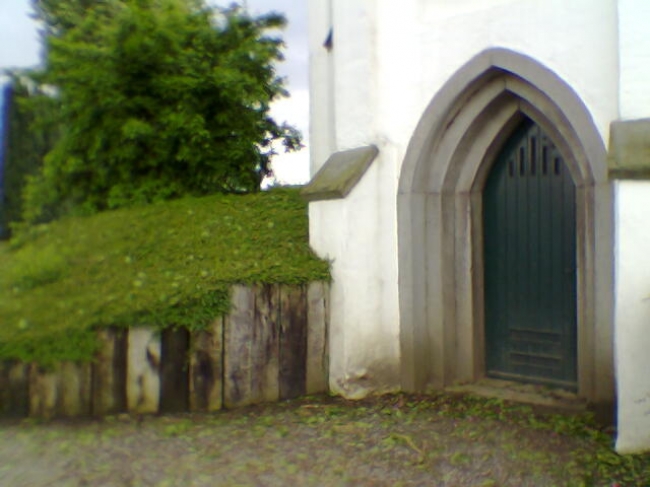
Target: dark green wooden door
<point x="530" y="263"/>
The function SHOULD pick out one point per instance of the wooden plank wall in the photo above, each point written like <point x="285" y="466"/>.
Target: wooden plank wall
<point x="206" y="368"/>
<point x="272" y="346"/>
<point x="252" y="346"/>
<point x="293" y="343"/>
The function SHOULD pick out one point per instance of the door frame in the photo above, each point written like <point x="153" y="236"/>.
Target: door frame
<point x="440" y="215"/>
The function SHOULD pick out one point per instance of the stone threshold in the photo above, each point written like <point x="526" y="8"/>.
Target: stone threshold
<point x="536" y="395"/>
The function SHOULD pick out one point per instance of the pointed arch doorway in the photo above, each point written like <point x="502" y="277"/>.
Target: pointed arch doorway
<point x="441" y="248"/>
<point x="529" y="237"/>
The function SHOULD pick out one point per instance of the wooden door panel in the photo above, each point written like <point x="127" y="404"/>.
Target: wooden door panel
<point x="530" y="262"/>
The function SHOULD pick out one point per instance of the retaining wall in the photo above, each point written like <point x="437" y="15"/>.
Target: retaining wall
<point x="273" y="345"/>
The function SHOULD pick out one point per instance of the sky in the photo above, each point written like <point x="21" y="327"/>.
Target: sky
<point x="20" y="47"/>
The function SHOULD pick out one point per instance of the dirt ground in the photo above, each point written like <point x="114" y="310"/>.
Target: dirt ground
<point x="400" y="440"/>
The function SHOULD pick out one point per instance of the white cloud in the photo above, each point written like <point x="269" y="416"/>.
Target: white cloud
<point x="293" y="168"/>
<point x="294" y="110"/>
<point x="19" y="41"/>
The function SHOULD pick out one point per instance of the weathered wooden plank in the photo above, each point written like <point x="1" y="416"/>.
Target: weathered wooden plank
<point x="317" y="333"/>
<point x="174" y="370"/>
<point x="14" y="389"/>
<point x="238" y="334"/>
<point x="265" y="344"/>
<point x="252" y="346"/>
<point x="62" y="391"/>
<point x="293" y="341"/>
<point x="109" y="373"/>
<point x="143" y="370"/>
<point x="273" y="345"/>
<point x="42" y="392"/>
<point x="73" y="389"/>
<point x="5" y="392"/>
<point x="206" y="368"/>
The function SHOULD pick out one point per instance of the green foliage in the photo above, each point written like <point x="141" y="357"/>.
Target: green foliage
<point x="158" y="99"/>
<point x="31" y="133"/>
<point x="58" y="16"/>
<point x="166" y="264"/>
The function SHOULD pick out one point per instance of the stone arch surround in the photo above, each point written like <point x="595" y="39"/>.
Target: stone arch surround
<point x="439" y="207"/>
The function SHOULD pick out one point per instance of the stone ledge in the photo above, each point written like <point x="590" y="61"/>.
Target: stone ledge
<point x="340" y="174"/>
<point x="629" y="149"/>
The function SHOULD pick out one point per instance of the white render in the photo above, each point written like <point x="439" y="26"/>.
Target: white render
<point x="633" y="315"/>
<point x="634" y="58"/>
<point x="386" y="75"/>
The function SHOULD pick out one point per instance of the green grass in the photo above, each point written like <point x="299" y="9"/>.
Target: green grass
<point x="167" y="264"/>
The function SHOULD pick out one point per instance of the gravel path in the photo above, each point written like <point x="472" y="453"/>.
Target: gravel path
<point x="389" y="441"/>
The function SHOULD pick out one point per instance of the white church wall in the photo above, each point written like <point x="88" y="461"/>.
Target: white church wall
<point x="632" y="236"/>
<point x="387" y="61"/>
<point x="364" y="333"/>
<point x="632" y="315"/>
<point x="430" y="40"/>
<point x="354" y="67"/>
<point x="634" y="16"/>
<point x="357" y="233"/>
<point x="321" y="79"/>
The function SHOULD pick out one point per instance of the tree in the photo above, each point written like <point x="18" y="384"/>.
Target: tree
<point x="58" y="16"/>
<point x="158" y="99"/>
<point x="29" y="135"/>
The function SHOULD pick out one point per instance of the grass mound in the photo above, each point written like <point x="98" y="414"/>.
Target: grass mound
<point x="167" y="264"/>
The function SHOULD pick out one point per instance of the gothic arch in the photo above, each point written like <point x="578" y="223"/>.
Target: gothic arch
<point x="440" y="219"/>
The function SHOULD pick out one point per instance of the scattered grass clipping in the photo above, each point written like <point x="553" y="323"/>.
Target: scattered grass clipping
<point x="161" y="265"/>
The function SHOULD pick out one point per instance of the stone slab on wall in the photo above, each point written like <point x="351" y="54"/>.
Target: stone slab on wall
<point x="272" y="345"/>
<point x="629" y="149"/>
<point x="340" y="173"/>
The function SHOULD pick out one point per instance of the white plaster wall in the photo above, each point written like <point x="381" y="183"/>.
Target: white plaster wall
<point x="354" y="233"/>
<point x="634" y="19"/>
<point x="388" y="61"/>
<point x="576" y="39"/>
<point x="632" y="315"/>
<point x="321" y="85"/>
<point x="354" y="64"/>
<point x="390" y="58"/>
